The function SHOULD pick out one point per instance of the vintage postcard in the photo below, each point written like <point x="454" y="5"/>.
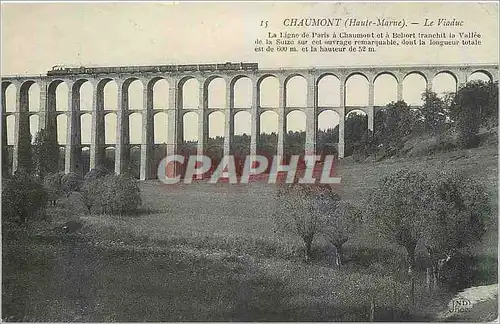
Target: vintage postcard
<point x="249" y="161"/>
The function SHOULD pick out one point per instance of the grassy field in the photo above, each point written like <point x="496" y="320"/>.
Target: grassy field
<point x="205" y="252"/>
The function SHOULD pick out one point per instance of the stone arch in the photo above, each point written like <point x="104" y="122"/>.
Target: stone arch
<point x="268" y="137"/>
<point x="62" y="128"/>
<point x="354" y="129"/>
<point x="135" y="128"/>
<point x="328" y="90"/>
<point x="414" y="85"/>
<point x="296" y="91"/>
<point x="216" y="124"/>
<point x="385" y="89"/>
<point x="86" y="128"/>
<point x="110" y="94"/>
<point x="133" y="89"/>
<point x="109" y="158"/>
<point x="85" y="159"/>
<point x="242" y="134"/>
<point x="86" y="93"/>
<point x="328" y="132"/>
<point x="444" y="82"/>
<point x="9" y="93"/>
<point x="34" y="97"/>
<point x="242" y="91"/>
<point x="482" y="75"/>
<point x="215" y="87"/>
<point x="134" y="167"/>
<point x="26" y="94"/>
<point x="34" y="126"/>
<point x="328" y="119"/>
<point x="295" y="139"/>
<point x="190" y="126"/>
<point x="296" y="121"/>
<point x="11" y="126"/>
<point x="189" y="93"/>
<point x="268" y="87"/>
<point x="160" y="93"/>
<point x="160" y="128"/>
<point x="110" y="120"/>
<point x="356" y="112"/>
<point x="269" y="122"/>
<point x="59" y="90"/>
<point x="357" y="89"/>
<point x="242" y="123"/>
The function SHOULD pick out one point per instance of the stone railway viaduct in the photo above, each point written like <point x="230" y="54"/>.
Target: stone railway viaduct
<point x="48" y="114"/>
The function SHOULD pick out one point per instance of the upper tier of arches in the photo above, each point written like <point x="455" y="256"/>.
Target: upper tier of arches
<point x="267" y="90"/>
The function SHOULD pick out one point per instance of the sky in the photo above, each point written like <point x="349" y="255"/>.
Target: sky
<point x="37" y="36"/>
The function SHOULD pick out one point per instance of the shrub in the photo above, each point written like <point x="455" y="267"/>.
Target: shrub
<point x="97" y="173"/>
<point x="52" y="184"/>
<point x="114" y="194"/>
<point x="71" y="182"/>
<point x="22" y="198"/>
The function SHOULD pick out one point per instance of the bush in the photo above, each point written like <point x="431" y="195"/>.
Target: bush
<point x="71" y="182"/>
<point x="52" y="184"/>
<point x="113" y="194"/>
<point x="97" y="173"/>
<point x="22" y="198"/>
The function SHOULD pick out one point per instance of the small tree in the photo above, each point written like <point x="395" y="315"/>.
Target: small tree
<point x="25" y="155"/>
<point x="459" y="217"/>
<point x="297" y="211"/>
<point x="446" y="211"/>
<point x="340" y="222"/>
<point x="433" y="112"/>
<point x="71" y="182"/>
<point x="124" y="193"/>
<point x="45" y="154"/>
<point x="98" y="172"/>
<point x="113" y="194"/>
<point x="393" y="123"/>
<point x="398" y="209"/>
<point x="474" y="105"/>
<point x="22" y="198"/>
<point x="52" y="184"/>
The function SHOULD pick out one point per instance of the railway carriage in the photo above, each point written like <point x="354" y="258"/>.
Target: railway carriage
<point x="228" y="66"/>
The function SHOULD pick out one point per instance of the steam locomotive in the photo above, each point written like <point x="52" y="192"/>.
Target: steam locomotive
<point x="228" y="66"/>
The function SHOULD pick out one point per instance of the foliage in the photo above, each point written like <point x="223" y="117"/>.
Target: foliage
<point x="355" y="131"/>
<point x="340" y="221"/>
<point x="433" y="112"/>
<point x="459" y="214"/>
<point x="297" y="211"/>
<point x="45" y="154"/>
<point x="52" y="184"/>
<point x="71" y="182"/>
<point x="113" y="194"/>
<point x="393" y="124"/>
<point x="25" y="154"/>
<point x="446" y="210"/>
<point x="474" y="105"/>
<point x="6" y="160"/>
<point x="98" y="172"/>
<point x="22" y="198"/>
